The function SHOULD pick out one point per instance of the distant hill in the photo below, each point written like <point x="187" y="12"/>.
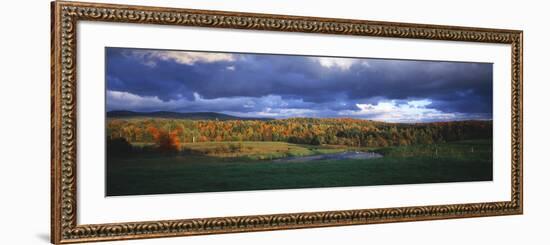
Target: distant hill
<point x="179" y="115"/>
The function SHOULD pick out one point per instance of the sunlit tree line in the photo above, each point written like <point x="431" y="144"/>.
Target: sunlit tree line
<point x="350" y="132"/>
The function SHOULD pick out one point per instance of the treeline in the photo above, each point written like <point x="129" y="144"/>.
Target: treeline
<point x="170" y="133"/>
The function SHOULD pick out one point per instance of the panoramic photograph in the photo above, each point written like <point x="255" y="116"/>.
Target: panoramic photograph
<point x="201" y="121"/>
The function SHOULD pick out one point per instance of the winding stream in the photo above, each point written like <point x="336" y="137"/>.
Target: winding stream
<point x="334" y="156"/>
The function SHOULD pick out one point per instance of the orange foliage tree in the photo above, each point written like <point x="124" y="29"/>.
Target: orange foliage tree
<point x="167" y="142"/>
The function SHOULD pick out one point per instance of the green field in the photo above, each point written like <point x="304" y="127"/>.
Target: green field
<point x="234" y="166"/>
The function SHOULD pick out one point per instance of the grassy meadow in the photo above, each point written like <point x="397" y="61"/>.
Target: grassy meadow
<point x="251" y="165"/>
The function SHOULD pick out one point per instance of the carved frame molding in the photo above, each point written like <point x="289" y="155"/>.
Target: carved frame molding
<point x="66" y="15"/>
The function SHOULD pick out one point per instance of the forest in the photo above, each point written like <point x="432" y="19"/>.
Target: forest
<point x="170" y="134"/>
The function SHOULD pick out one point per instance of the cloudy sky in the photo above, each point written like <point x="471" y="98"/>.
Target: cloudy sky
<point x="283" y="86"/>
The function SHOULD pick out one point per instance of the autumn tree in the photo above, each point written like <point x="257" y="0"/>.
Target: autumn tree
<point x="166" y="141"/>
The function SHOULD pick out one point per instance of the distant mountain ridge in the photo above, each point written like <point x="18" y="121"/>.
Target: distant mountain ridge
<point x="179" y="115"/>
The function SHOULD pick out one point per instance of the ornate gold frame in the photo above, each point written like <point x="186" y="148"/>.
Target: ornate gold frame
<point x="65" y="16"/>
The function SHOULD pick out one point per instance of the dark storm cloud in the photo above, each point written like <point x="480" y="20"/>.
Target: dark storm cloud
<point x="326" y="86"/>
<point x="452" y="86"/>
